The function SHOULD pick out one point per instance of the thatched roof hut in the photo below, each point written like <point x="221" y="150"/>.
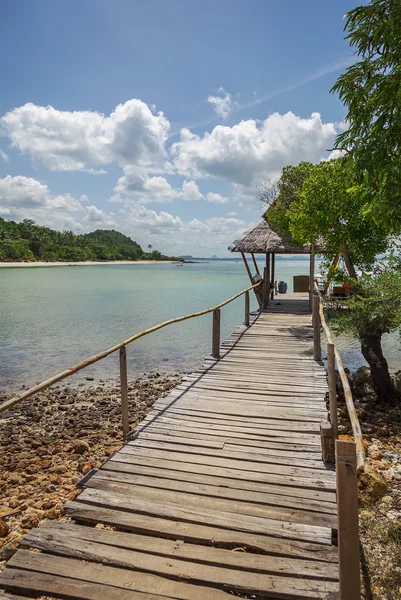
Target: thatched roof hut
<point x="263" y="239"/>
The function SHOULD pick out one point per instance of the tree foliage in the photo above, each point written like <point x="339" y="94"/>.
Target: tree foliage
<point x="29" y="242"/>
<point x="371" y="91"/>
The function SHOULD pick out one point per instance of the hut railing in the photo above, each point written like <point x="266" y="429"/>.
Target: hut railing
<point x="349" y="458"/>
<point x="121" y="348"/>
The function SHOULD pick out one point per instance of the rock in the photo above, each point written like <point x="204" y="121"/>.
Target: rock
<point x="373" y="448"/>
<point x="53" y="513"/>
<point x="80" y="446"/>
<point x="4" y="528"/>
<point x="377" y="483"/>
<point x="30" y="520"/>
<point x="376" y="455"/>
<point x="386" y="500"/>
<point x="90" y="378"/>
<point x="390" y="456"/>
<point x="366" y="514"/>
<point x="361" y="376"/>
<point x="8" y="551"/>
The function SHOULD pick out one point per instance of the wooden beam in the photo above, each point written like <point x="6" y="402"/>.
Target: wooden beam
<point x="255" y="263"/>
<point x="124" y="391"/>
<point x="326" y="436"/>
<point x="247" y="267"/>
<point x="348" y="531"/>
<point x="273" y="275"/>
<point x="246" y="322"/>
<point x="317" y="349"/>
<point x="216" y="334"/>
<point x="331" y="369"/>
<point x="311" y="274"/>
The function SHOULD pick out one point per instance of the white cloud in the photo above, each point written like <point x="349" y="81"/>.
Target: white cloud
<point x="223" y="104"/>
<point x="4" y="156"/>
<point x="81" y="140"/>
<point x="190" y="191"/>
<point x="95" y="216"/>
<point x="216" y="198"/>
<point x="250" y="151"/>
<point x="142" y="219"/>
<point x="23" y="197"/>
<point x="215" y="224"/>
<point x="232" y="213"/>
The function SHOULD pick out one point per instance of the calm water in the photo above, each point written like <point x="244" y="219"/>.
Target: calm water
<point x="52" y="318"/>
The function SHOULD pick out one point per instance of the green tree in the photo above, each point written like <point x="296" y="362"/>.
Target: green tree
<point x="371" y="91"/>
<point x="375" y="309"/>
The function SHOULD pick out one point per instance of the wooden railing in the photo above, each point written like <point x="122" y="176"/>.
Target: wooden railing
<point x="121" y="347"/>
<point x="348" y="456"/>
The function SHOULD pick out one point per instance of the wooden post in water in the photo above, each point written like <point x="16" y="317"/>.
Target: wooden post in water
<point x="124" y="391"/>
<point x="348" y="530"/>
<point x="216" y="334"/>
<point x="317" y="350"/>
<point x="246" y="309"/>
<point x="331" y="369"/>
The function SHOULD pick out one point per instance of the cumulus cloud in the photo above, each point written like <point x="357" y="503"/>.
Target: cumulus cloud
<point x="215" y="224"/>
<point x="4" y="156"/>
<point x="232" y="213"/>
<point x="223" y="103"/>
<point x="140" y="217"/>
<point x="190" y="191"/>
<point x="24" y="197"/>
<point x="251" y="150"/>
<point x="214" y="198"/>
<point x="81" y="140"/>
<point x="97" y="217"/>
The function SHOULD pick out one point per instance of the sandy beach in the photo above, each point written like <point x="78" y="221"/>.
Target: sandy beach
<point x="88" y="263"/>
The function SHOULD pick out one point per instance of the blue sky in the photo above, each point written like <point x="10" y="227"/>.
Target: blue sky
<point x="160" y="117"/>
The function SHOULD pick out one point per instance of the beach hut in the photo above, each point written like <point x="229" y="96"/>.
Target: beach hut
<point x="263" y="239"/>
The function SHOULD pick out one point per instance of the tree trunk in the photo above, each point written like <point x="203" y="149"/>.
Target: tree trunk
<point x="348" y="262"/>
<point x="382" y="382"/>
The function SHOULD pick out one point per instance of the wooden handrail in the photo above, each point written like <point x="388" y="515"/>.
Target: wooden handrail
<point x="353" y="417"/>
<point x="90" y="361"/>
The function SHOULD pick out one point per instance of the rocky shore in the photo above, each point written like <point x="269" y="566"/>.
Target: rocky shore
<point x="49" y="442"/>
<point x="379" y="487"/>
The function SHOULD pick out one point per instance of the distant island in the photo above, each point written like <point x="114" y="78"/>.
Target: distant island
<point x="28" y="242"/>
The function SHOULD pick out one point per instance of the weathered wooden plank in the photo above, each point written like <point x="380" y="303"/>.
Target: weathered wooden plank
<point x="59" y="540"/>
<point x="120" y="583"/>
<point x="183" y="472"/>
<point x="187" y="500"/>
<point x="206" y="516"/>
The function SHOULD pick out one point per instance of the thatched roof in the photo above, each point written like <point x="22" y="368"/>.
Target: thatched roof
<point x="263" y="238"/>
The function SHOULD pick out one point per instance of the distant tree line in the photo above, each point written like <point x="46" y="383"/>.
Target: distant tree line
<point x="27" y="241"/>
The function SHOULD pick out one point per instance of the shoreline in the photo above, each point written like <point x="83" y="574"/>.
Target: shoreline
<point x="87" y="263"/>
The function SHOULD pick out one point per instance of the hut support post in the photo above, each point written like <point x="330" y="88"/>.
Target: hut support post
<point x="317" y="349"/>
<point x="255" y="263"/>
<point x="124" y="391"/>
<point x="273" y="276"/>
<point x="311" y="275"/>
<point x="266" y="283"/>
<point x="248" y="270"/>
<point x="348" y="531"/>
<point x="331" y="369"/>
<point x="216" y="334"/>
<point x="246" y="322"/>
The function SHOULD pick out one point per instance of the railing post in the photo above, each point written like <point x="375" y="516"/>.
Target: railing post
<point x="327" y="441"/>
<point x="348" y="530"/>
<point x="216" y="334"/>
<point x="124" y="391"/>
<point x="317" y="349"/>
<point x="331" y="369"/>
<point x="246" y="309"/>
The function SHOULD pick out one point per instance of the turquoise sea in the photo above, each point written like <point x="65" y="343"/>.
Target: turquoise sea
<point x="53" y="317"/>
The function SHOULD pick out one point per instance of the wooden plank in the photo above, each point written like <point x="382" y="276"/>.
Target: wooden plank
<point x="142" y="586"/>
<point x="246" y="463"/>
<point x="187" y="500"/>
<point x="270" y="495"/>
<point x="201" y="466"/>
<point x="206" y="516"/>
<point x="231" y="451"/>
<point x="202" y="534"/>
<point x="159" y="469"/>
<point x="57" y="539"/>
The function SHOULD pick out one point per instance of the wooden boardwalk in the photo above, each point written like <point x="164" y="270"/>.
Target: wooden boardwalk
<point x="222" y="492"/>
